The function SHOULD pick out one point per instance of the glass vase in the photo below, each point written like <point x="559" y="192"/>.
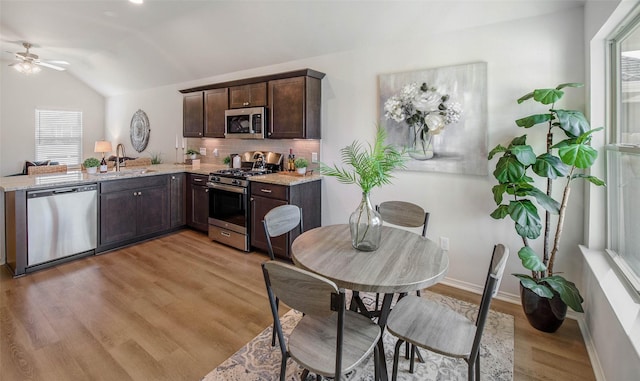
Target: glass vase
<point x="420" y="144"/>
<point x="366" y="225"/>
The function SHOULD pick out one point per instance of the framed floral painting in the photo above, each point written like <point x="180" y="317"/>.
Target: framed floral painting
<point x="439" y="116"/>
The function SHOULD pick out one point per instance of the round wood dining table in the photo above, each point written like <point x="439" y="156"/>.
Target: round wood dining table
<point x="404" y="262"/>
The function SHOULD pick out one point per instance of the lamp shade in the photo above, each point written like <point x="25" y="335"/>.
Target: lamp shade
<point x="102" y="146"/>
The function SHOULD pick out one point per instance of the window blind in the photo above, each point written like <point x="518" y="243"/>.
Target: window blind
<point x="59" y="136"/>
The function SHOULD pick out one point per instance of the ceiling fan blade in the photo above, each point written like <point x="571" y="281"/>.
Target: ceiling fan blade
<point x="56" y="62"/>
<point x="50" y="66"/>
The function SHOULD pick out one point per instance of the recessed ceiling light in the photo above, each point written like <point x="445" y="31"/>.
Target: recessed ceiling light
<point x="136" y="1"/>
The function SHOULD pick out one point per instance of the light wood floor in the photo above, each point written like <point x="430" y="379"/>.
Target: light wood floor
<point x="174" y="308"/>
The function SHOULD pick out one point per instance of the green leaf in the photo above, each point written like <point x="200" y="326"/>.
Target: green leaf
<point x="570" y="84"/>
<point x="592" y="179"/>
<point x="532" y="120"/>
<point x="518" y="141"/>
<point x="572" y="122"/>
<point x="508" y="170"/>
<point x="545" y="201"/>
<point x="498" y="191"/>
<point x="524" y="154"/>
<point x="567" y="290"/>
<point x="540" y="289"/>
<point x="550" y="166"/>
<point x="579" y="155"/>
<point x="530" y="259"/>
<point x="525" y="97"/>
<point x="547" y="96"/>
<point x="497" y="149"/>
<point x="501" y="212"/>
<point x="525" y="214"/>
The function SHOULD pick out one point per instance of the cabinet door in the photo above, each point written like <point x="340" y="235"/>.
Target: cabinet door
<point x="153" y="210"/>
<point x="193" y="115"/>
<point x="260" y="206"/>
<point x="178" y="197"/>
<point x="253" y="95"/>
<point x="216" y="101"/>
<point x="118" y="216"/>
<point x="197" y="203"/>
<point x="294" y="107"/>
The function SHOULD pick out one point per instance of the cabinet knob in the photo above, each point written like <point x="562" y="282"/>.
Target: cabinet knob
<point x="173" y="177"/>
<point x="206" y="190"/>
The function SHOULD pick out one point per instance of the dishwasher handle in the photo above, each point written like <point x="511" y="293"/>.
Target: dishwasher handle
<point x="61" y="191"/>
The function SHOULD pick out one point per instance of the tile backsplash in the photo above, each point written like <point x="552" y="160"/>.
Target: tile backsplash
<point x="301" y="148"/>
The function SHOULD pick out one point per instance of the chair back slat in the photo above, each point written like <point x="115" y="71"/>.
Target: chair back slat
<point x="282" y="219"/>
<point x="494" y="276"/>
<point x="301" y="289"/>
<point x="403" y="213"/>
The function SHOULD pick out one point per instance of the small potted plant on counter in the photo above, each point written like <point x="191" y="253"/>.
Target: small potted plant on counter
<point x="227" y="160"/>
<point x="91" y="164"/>
<point x="193" y="154"/>
<point x="301" y="165"/>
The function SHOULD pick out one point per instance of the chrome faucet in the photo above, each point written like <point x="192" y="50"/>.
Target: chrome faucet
<point x="118" y="147"/>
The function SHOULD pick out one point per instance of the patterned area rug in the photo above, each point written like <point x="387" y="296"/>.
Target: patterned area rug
<point x="258" y="360"/>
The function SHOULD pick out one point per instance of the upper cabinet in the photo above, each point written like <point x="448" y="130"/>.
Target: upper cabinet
<point x="252" y="95"/>
<point x="203" y="113"/>
<point x="293" y="99"/>
<point x="192" y="115"/>
<point x="216" y="101"/>
<point x="294" y="108"/>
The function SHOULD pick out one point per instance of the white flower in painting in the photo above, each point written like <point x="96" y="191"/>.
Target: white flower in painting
<point x="427" y="101"/>
<point x="436" y="122"/>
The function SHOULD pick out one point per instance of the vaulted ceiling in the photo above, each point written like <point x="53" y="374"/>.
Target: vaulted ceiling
<point x="115" y="46"/>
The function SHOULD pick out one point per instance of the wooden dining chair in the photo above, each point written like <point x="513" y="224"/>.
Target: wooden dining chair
<point x="278" y="221"/>
<point x="329" y="340"/>
<point x="438" y="328"/>
<point x="281" y="220"/>
<point x="404" y="214"/>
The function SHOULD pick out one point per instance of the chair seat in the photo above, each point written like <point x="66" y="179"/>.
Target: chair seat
<point x="448" y="333"/>
<point x="360" y="338"/>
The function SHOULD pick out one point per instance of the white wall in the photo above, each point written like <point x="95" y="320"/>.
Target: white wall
<point x="22" y="94"/>
<point x="521" y="55"/>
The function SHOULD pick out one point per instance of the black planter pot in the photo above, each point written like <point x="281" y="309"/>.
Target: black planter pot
<point x="544" y="314"/>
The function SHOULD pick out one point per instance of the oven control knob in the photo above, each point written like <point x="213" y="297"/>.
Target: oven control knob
<point x="234" y="182"/>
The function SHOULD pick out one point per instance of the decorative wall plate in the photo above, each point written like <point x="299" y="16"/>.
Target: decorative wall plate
<point x="140" y="130"/>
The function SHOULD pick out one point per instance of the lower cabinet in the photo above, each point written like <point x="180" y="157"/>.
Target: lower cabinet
<point x="197" y="203"/>
<point x="133" y="208"/>
<point x="265" y="197"/>
<point x="178" y="211"/>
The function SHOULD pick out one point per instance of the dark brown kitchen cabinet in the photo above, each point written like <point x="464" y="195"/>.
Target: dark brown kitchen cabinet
<point x="216" y="101"/>
<point x="193" y="115"/>
<point x="133" y="209"/>
<point x="197" y="203"/>
<point x="294" y="108"/>
<point x="265" y="197"/>
<point x="178" y="212"/>
<point x="251" y="95"/>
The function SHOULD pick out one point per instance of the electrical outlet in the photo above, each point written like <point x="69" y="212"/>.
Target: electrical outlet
<point x="444" y="243"/>
<point x="314" y="157"/>
<point x="215" y="152"/>
<point x="203" y="151"/>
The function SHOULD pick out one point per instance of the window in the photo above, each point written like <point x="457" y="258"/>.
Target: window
<point x="59" y="136"/>
<point x="623" y="153"/>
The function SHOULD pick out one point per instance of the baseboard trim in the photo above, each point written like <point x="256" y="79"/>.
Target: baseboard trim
<point x="591" y="349"/>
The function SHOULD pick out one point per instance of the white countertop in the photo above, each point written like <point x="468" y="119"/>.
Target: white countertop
<point x="29" y="182"/>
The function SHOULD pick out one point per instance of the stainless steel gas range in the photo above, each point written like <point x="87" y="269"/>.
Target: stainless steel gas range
<point x="229" y="199"/>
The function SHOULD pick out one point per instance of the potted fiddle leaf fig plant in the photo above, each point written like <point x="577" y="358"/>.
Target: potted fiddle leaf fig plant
<point x="545" y="294"/>
<point x="370" y="168"/>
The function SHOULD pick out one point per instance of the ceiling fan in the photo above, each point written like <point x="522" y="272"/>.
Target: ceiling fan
<point x="28" y="63"/>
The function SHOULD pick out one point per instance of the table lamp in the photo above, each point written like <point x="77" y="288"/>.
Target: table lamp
<point x="102" y="146"/>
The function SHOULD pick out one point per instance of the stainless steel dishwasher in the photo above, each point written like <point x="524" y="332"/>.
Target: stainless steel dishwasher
<point x="61" y="222"/>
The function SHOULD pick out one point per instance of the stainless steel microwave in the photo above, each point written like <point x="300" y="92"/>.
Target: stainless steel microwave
<point x="245" y="123"/>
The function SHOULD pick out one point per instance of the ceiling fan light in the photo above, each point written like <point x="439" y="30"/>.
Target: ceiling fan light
<point x="26" y="67"/>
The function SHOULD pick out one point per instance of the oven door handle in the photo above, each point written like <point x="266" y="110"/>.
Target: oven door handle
<point x="228" y="188"/>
